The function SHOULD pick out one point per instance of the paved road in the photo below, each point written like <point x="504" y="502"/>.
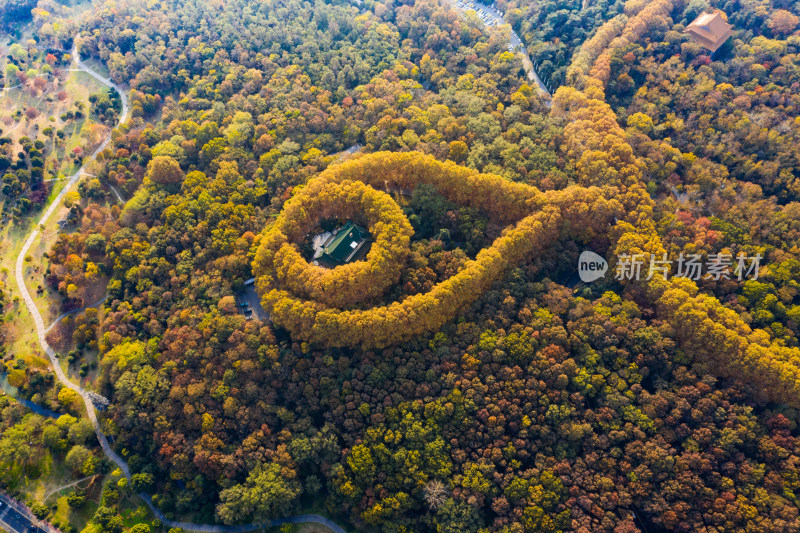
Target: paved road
<point x="16" y="517"/>
<point x="494" y="17"/>
<point x="74" y="178"/>
<point x="350" y="151"/>
<point x="68" y="485"/>
<point x="250" y="297"/>
<point x="19" y="275"/>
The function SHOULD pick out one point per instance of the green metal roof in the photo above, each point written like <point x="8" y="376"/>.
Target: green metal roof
<point x="346" y="242"/>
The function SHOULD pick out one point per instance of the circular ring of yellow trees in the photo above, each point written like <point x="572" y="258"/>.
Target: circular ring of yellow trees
<point x="350" y="283"/>
<point x="317" y="304"/>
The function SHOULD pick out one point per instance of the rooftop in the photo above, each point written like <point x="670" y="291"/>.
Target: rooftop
<point x="342" y="246"/>
<point x="710" y="30"/>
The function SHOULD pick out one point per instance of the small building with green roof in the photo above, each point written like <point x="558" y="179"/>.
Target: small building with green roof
<point x="343" y="246"/>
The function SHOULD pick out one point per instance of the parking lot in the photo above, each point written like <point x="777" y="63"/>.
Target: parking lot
<point x="249" y="304"/>
<point x="490" y="16"/>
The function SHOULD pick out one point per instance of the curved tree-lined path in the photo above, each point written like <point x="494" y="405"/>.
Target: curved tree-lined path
<point x="19" y="275"/>
<point x="26" y="296"/>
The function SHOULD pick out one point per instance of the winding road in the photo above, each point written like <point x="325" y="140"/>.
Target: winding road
<point x="516" y="42"/>
<point x="19" y="274"/>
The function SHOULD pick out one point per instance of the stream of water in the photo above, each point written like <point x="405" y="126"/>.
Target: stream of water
<point x="7" y="388"/>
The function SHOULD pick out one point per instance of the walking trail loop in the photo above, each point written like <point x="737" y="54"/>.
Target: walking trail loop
<point x="41" y="330"/>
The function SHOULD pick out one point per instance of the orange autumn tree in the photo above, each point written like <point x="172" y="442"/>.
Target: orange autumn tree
<point x="714" y="334"/>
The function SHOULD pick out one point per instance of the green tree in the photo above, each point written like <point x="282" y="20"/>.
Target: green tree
<point x="267" y="493"/>
<point x="458" y="517"/>
<point x="77" y="458"/>
<point x="142" y="482"/>
<point x="80" y="431"/>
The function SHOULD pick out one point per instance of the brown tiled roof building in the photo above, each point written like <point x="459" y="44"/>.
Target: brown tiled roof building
<point x="710" y="30"/>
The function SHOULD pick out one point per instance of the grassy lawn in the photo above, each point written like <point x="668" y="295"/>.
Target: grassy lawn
<point x="97" y="66"/>
<point x="6" y="40"/>
<point x="21" y="337"/>
<point x="77" y="86"/>
<point x="73" y="370"/>
<point x="20" y="329"/>
<point x="21" y="341"/>
<point x="77" y="132"/>
<point x="54" y="485"/>
<point x="135" y="512"/>
<point x="77" y="518"/>
<point x="54" y="476"/>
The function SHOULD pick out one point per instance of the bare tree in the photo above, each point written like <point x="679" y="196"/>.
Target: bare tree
<point x="435" y="493"/>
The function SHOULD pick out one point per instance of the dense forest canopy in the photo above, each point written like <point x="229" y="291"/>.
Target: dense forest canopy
<point x="15" y="13"/>
<point x="460" y="378"/>
<point x="555" y="31"/>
